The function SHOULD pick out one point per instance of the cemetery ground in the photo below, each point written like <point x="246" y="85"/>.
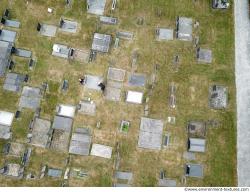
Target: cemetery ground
<point x="192" y="80"/>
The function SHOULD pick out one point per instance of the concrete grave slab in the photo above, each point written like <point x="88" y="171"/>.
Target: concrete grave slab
<point x="48" y="30"/>
<point x="7" y="35"/>
<point x="101" y="151"/>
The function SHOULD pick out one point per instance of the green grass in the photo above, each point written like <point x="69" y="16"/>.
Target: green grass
<point x="216" y="32"/>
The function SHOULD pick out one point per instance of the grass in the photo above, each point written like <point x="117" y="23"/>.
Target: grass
<point x="192" y="80"/>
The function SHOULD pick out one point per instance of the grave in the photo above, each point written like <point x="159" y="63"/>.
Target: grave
<point x="196" y="128"/>
<point x="163" y="34"/>
<point x="124" y="127"/>
<point x="196" y="145"/>
<point x="61" y="133"/>
<point x="184" y="28"/>
<point x="194" y="170"/>
<point x="108" y="20"/>
<point x="80" y="142"/>
<point x="11" y="23"/>
<point x="204" y="55"/>
<point x="78" y="173"/>
<point x="220" y="4"/>
<point x="218" y="97"/>
<point x="61" y="51"/>
<point x="5" y="53"/>
<point x="41" y="133"/>
<point x="87" y="107"/>
<point x="62" y="123"/>
<point x="150" y="136"/>
<point x="96" y="6"/>
<point x="47" y="30"/>
<point x="7" y="35"/>
<point x="15" y="149"/>
<point x="112" y="93"/>
<point x="134" y="97"/>
<point x="101" y="151"/>
<point x="101" y="42"/>
<point x="13" y="170"/>
<point x="23" y="53"/>
<point x="123" y="178"/>
<point x="30" y="98"/>
<point x="68" y="26"/>
<point x="57" y="173"/>
<point x="13" y="82"/>
<point x="66" y="110"/>
<point x="125" y="35"/>
<point x="6" y="119"/>
<point x="136" y="80"/>
<point x="81" y="55"/>
<point x="116" y="74"/>
<point x="92" y="82"/>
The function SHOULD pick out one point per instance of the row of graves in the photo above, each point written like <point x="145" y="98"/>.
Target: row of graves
<point x="151" y="130"/>
<point x="30" y="97"/>
<point x="66" y="26"/>
<point x="218" y="94"/>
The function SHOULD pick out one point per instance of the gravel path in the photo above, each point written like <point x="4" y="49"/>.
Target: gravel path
<point x="242" y="70"/>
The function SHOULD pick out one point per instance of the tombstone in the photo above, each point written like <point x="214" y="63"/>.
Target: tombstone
<point x="61" y="23"/>
<point x="68" y="2"/>
<point x="183" y="180"/>
<point x="98" y="125"/>
<point x="140" y="21"/>
<point x="117" y="40"/>
<point x="65" y="85"/>
<point x="11" y="65"/>
<point x="102" y="86"/>
<point x="171" y="120"/>
<point x="166" y="140"/>
<point x="162" y="174"/>
<point x="92" y="55"/>
<point x="196" y="41"/>
<point x="26" y="78"/>
<point x="71" y="52"/>
<point x="113" y="5"/>
<point x="17" y="114"/>
<point x="6" y="13"/>
<point x="13" y="50"/>
<point x="45" y="87"/>
<point x="29" y="137"/>
<point x="176" y="61"/>
<point x="196" y="24"/>
<point x="39" y="26"/>
<point x="3" y="21"/>
<point x="31" y="64"/>
<point x="38" y="111"/>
